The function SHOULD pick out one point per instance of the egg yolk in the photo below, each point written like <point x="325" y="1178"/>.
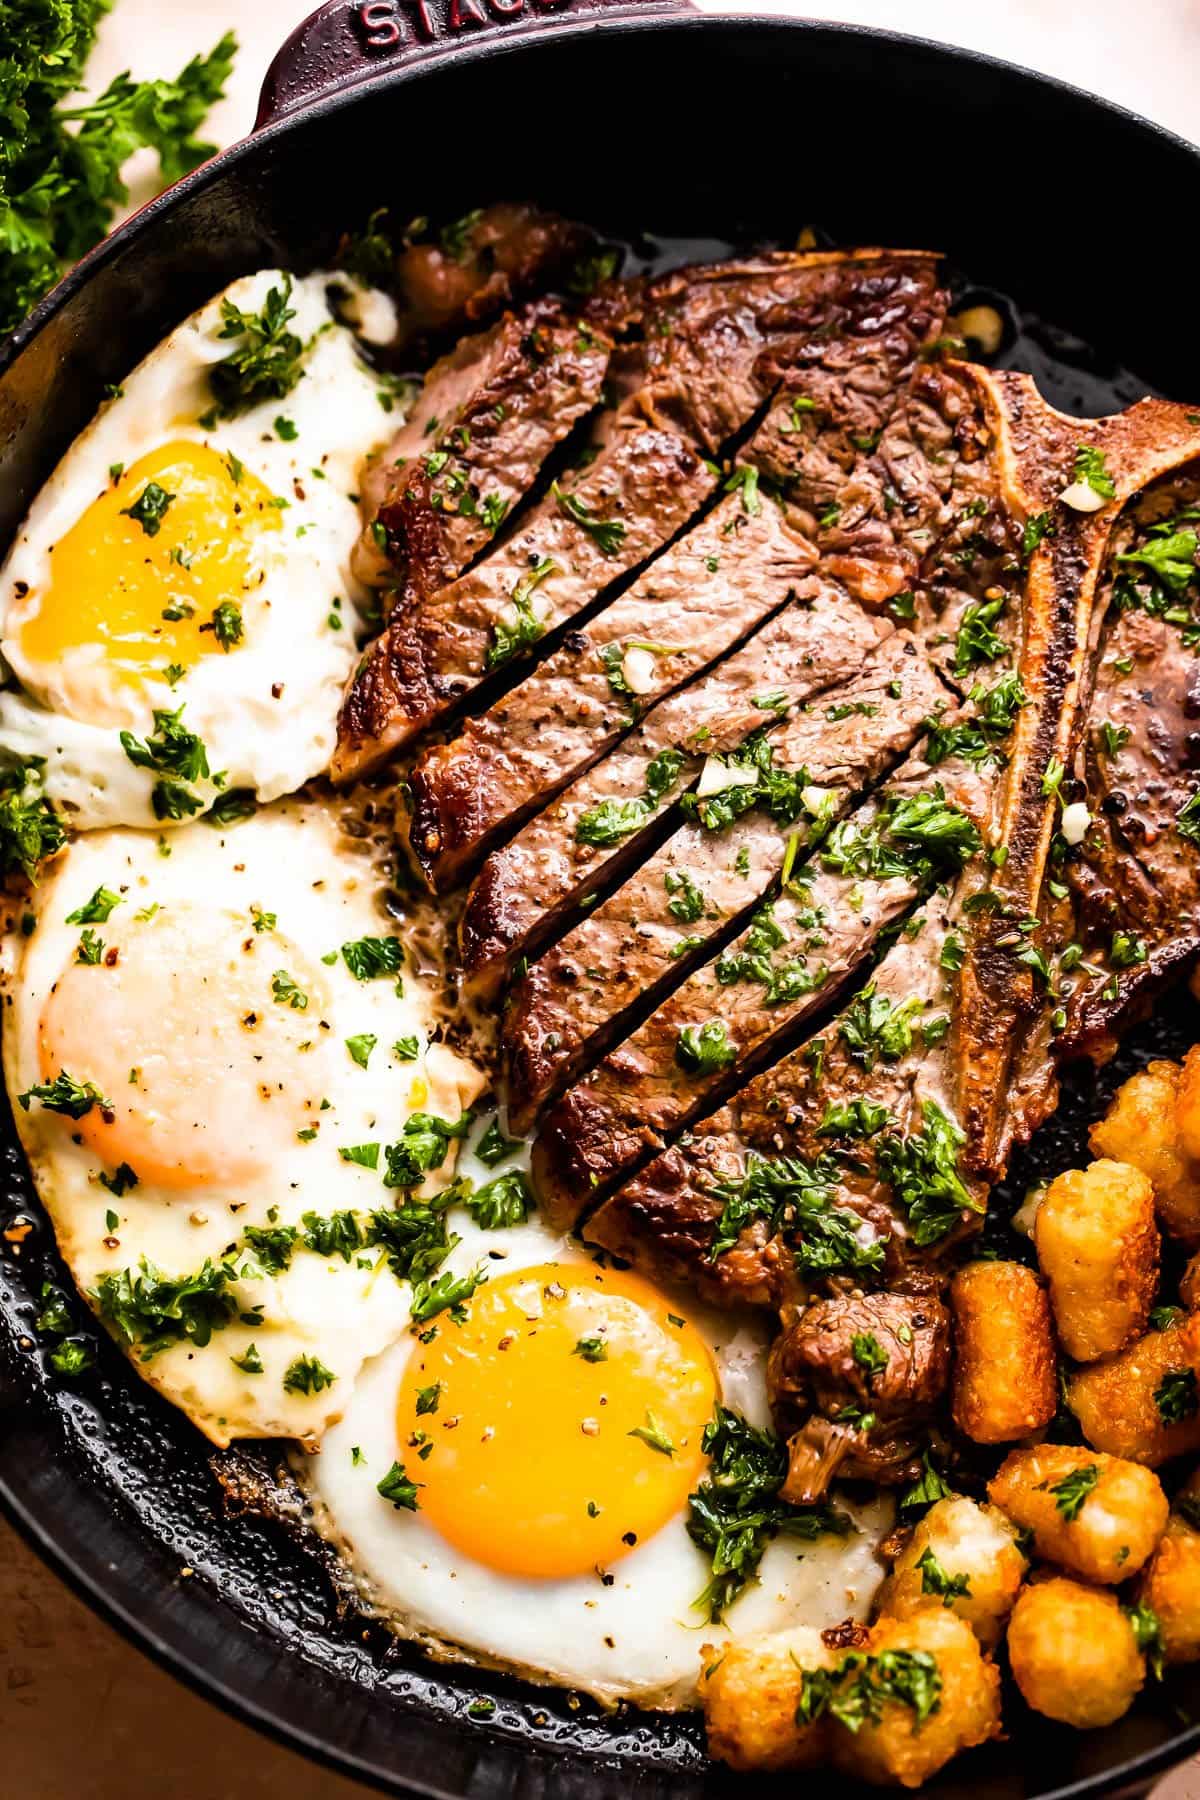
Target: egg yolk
<point x="141" y="576"/>
<point x="206" y="1075"/>
<point x="560" y="1423"/>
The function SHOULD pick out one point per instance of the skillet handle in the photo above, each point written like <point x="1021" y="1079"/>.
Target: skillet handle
<point x="345" y="41"/>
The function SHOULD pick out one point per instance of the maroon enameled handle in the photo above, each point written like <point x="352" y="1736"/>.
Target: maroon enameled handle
<point x="346" y="41"/>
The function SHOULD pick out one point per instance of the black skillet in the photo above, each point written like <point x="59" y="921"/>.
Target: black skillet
<point x="676" y="134"/>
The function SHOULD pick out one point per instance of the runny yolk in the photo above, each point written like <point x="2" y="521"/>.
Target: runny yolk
<point x="562" y="1419"/>
<point x="140" y="577"/>
<point x="205" y="1074"/>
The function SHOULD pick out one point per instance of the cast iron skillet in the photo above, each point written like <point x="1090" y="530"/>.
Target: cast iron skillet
<point x="708" y="132"/>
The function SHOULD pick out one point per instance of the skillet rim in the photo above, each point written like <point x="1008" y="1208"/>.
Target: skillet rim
<point x="86" y="1571"/>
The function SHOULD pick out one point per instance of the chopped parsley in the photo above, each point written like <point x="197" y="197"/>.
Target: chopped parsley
<point x="369" y="957"/>
<point x="1092" y="470"/>
<point x="307" y="1375"/>
<point x="226" y="624"/>
<point x="267" y="359"/>
<point x="173" y="752"/>
<point x="286" y="993"/>
<point x="608" y="823"/>
<point x="150" y="508"/>
<point x="1074" y="1488"/>
<point x="936" y="1580"/>
<point x="493" y="1147"/>
<point x="976" y="641"/>
<point x="424" y="1143"/>
<point x="705" y="1049"/>
<point x="856" y="1692"/>
<point x="1147" y="1630"/>
<point x="360" y="1047"/>
<point x="798" y="1197"/>
<point x="1177" y="1396"/>
<point x="736" y="1511"/>
<point x="97" y="910"/>
<point x="591" y="1349"/>
<point x="397" y="1488"/>
<point x="30" y="829"/>
<point x="504" y="1201"/>
<point x="524" y="627"/>
<point x="607" y="534"/>
<point x="922" y="1171"/>
<point x="654" y="1434"/>
<point x="74" y="1099"/>
<point x="153" y="1310"/>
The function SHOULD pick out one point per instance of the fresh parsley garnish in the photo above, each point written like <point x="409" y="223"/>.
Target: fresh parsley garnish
<point x="735" y="1511"/>
<point x="1074" y="1488"/>
<point x="74" y="1099"/>
<point x="267" y="359"/>
<point x="524" y="627"/>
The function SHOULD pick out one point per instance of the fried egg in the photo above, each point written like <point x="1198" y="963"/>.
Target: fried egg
<point x="234" y="1028"/>
<point x="536" y="1450"/>
<point x="181" y="562"/>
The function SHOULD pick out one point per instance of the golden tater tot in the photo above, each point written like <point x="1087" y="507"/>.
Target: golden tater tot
<point x="1098" y="1245"/>
<point x="1094" y="1514"/>
<point x="1189" y="1284"/>
<point x="1187" y="1105"/>
<point x="1005" y="1383"/>
<point x="937" y="1660"/>
<point x="1073" y="1653"/>
<point x="1170" y="1585"/>
<point x="1140" y="1127"/>
<point x="750" y="1690"/>
<point x="1145" y="1403"/>
<point x="962" y="1556"/>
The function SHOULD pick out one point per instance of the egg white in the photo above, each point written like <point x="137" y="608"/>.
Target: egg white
<point x="637" y="1638"/>
<point x="292" y="860"/>
<point x="266" y="711"/>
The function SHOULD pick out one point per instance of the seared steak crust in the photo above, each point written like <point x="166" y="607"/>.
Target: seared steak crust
<point x="535" y="883"/>
<point x="791" y="959"/>
<point x="488" y="415"/>
<point x="706" y="591"/>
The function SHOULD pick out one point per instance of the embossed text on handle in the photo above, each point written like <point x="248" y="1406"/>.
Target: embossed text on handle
<point x="386" y="24"/>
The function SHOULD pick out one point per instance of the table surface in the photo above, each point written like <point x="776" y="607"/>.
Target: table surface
<point x="82" y="1715"/>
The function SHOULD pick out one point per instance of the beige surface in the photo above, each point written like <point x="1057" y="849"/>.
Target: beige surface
<point x="82" y="1716"/>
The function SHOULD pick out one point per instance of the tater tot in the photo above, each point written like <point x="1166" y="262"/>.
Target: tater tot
<point x="1187" y="1105"/>
<point x="1094" y="1514"/>
<point x="1098" y="1246"/>
<point x="1005" y="1383"/>
<point x="1170" y="1585"/>
<point x="900" y="1747"/>
<point x="1073" y="1653"/>
<point x="750" y="1690"/>
<point x="1145" y="1403"/>
<point x="1140" y="1127"/>
<point x="963" y="1556"/>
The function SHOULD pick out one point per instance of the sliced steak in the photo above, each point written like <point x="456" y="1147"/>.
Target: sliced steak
<point x="690" y="605"/>
<point x="710" y="874"/>
<point x="1135" y="876"/>
<point x="727" y="575"/>
<point x="778" y="1190"/>
<point x="602" y="824"/>
<point x="797" y="953"/>
<point x="487" y="417"/>
<point x="708" y="333"/>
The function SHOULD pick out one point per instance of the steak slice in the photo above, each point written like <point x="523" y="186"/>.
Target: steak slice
<point x="487" y="416"/>
<point x="689" y="605"/>
<point x="709" y="875"/>
<point x="1010" y="1008"/>
<point x="797" y="953"/>
<point x="719" y="582"/>
<point x="706" y="334"/>
<point x="778" y="1190"/>
<point x="605" y="820"/>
